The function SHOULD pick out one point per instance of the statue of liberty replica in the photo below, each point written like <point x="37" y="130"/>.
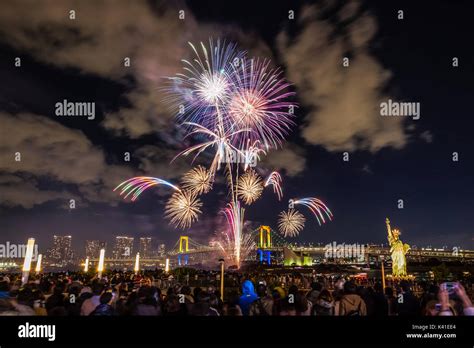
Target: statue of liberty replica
<point x="398" y="251"/>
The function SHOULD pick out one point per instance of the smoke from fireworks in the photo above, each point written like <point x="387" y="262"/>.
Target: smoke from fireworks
<point x="249" y="186"/>
<point x="139" y="184"/>
<point x="274" y="179"/>
<point x="183" y="209"/>
<point x="317" y="207"/>
<point x="197" y="180"/>
<point x="290" y="223"/>
<point x="226" y="244"/>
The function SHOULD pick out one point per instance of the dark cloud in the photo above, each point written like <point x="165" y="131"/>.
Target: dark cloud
<point x="343" y="101"/>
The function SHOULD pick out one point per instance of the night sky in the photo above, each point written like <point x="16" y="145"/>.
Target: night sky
<point x="391" y="158"/>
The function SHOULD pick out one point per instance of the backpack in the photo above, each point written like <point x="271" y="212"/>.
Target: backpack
<point x="261" y="310"/>
<point x="354" y="312"/>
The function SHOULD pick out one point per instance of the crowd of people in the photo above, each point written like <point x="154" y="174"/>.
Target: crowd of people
<point x="149" y="294"/>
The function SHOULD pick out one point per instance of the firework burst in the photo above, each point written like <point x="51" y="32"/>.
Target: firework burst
<point x="197" y="180"/>
<point x="258" y="102"/>
<point x="137" y="185"/>
<point x="226" y="244"/>
<point x="290" y="223"/>
<point x="183" y="209"/>
<point x="205" y="84"/>
<point x="235" y="219"/>
<point x="249" y="186"/>
<point x="317" y="207"/>
<point x="274" y="179"/>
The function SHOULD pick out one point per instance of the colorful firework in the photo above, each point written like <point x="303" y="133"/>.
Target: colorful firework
<point x="205" y="84"/>
<point x="197" y="180"/>
<point x="235" y="219"/>
<point x="290" y="223"/>
<point x="219" y="141"/>
<point x="183" y="208"/>
<point x="252" y="153"/>
<point x="249" y="186"/>
<point x="274" y="179"/>
<point x="317" y="207"/>
<point x="139" y="184"/>
<point x="258" y="102"/>
<point x="226" y="244"/>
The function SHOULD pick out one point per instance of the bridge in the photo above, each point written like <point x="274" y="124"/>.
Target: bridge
<point x="272" y="248"/>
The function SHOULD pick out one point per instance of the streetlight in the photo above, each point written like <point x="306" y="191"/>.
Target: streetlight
<point x="221" y="261"/>
<point x="383" y="271"/>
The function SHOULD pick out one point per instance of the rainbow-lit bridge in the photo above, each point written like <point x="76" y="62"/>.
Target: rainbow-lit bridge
<point x="272" y="248"/>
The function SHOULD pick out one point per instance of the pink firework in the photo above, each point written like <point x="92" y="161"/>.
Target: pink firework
<point x="259" y="102"/>
<point x="137" y="185"/>
<point x="317" y="207"/>
<point x="274" y="179"/>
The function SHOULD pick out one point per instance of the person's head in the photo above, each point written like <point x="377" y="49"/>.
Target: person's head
<point x="378" y="287"/>
<point x="261" y="290"/>
<point x="25" y="296"/>
<point x="301" y="304"/>
<point x="278" y="293"/>
<point x="248" y="288"/>
<point x="106" y="298"/>
<point x="316" y="286"/>
<point x="144" y="292"/>
<point x="325" y="295"/>
<point x="97" y="288"/>
<point x="186" y="290"/>
<point x="4" y="287"/>
<point x="74" y="290"/>
<point x="203" y="297"/>
<point x="293" y="290"/>
<point x="58" y="289"/>
<point x="285" y="308"/>
<point x="213" y="301"/>
<point x="350" y="288"/>
<point x="405" y="286"/>
<point x="196" y="292"/>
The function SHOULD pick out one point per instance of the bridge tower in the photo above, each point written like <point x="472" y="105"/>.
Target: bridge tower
<point x="265" y="242"/>
<point x="183" y="251"/>
<point x="265" y="237"/>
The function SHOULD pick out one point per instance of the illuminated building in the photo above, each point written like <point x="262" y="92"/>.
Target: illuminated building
<point x="93" y="248"/>
<point x="61" y="254"/>
<point x="145" y="247"/>
<point x="161" y="250"/>
<point x="123" y="248"/>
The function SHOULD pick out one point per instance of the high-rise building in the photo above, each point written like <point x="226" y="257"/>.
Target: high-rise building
<point x="61" y="254"/>
<point x="161" y="250"/>
<point x="145" y="247"/>
<point x="123" y="247"/>
<point x="93" y="248"/>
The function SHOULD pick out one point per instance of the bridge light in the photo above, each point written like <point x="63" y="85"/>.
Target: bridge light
<point x="167" y="265"/>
